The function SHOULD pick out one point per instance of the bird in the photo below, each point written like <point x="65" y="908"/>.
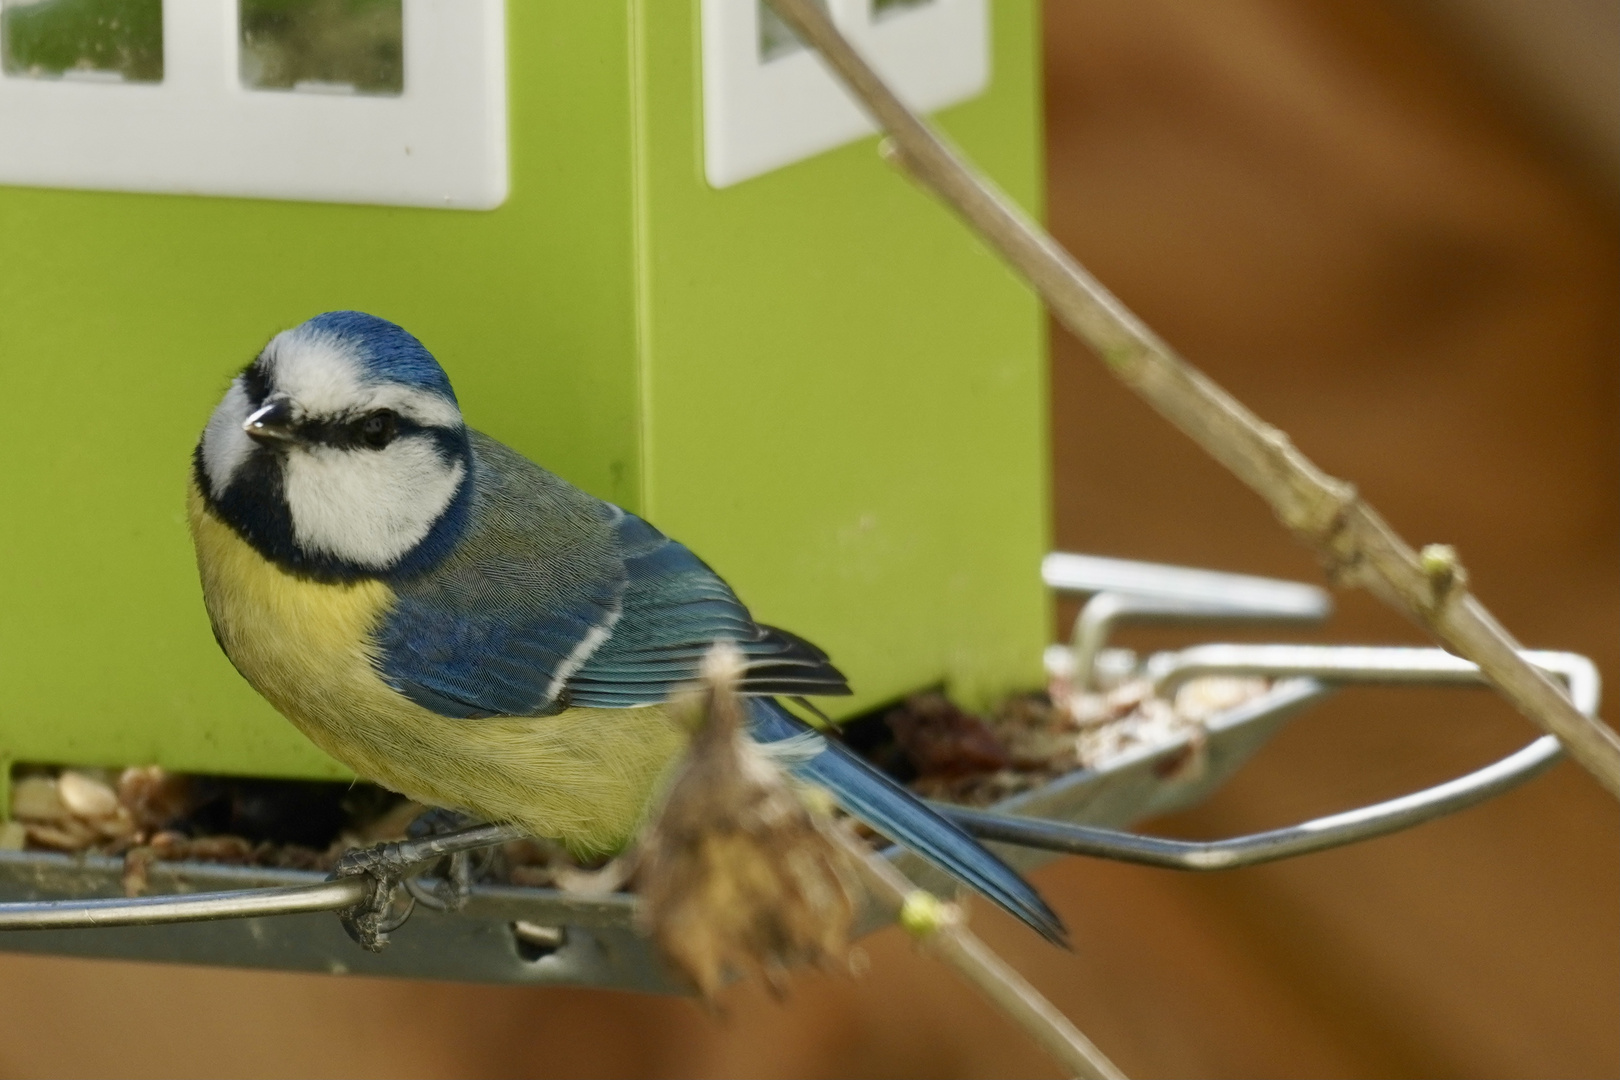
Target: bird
<point x="458" y="624"/>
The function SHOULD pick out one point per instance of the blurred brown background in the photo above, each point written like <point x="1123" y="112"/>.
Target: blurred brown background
<point x="1391" y="229"/>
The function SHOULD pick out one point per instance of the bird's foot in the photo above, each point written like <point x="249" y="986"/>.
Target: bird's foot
<point x="370" y="921"/>
<point x="452" y="887"/>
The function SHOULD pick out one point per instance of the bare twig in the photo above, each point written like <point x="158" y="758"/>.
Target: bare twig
<point x="940" y="929"/>
<point x="1355" y="544"/>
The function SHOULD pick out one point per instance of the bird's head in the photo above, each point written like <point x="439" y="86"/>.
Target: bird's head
<point x="340" y="451"/>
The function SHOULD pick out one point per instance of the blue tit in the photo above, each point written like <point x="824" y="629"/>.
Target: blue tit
<point x="456" y="623"/>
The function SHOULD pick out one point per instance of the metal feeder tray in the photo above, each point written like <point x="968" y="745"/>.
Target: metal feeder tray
<point x="254" y="917"/>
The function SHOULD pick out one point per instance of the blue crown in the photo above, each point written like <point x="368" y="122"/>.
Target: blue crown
<point x="388" y="353"/>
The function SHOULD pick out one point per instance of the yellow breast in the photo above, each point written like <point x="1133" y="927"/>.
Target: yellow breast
<point x="583" y="777"/>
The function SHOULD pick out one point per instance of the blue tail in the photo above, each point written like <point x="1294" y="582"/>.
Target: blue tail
<point x="896" y="813"/>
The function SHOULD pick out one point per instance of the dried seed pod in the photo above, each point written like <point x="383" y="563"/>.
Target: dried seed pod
<point x="1037" y="734"/>
<point x="85" y="796"/>
<point x="940" y="739"/>
<point x="35" y="798"/>
<point x="226" y="849"/>
<point x="601" y="882"/>
<point x="154" y="797"/>
<point x="66" y="834"/>
<point x="1199" y="699"/>
<point x="116" y="826"/>
<point x="737" y="874"/>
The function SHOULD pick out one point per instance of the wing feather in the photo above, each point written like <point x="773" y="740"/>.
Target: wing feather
<point x="554" y="598"/>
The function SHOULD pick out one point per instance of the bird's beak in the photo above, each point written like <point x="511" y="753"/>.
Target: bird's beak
<point x="272" y="422"/>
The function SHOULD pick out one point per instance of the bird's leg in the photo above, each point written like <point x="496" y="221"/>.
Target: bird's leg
<point x="387" y="865"/>
<point x="437" y="820"/>
<point x="456" y="885"/>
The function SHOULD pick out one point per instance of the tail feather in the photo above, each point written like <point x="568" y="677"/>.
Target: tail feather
<point x="892" y="810"/>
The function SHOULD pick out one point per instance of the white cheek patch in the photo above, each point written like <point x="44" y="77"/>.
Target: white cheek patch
<point x="224" y="444"/>
<point x="323" y="377"/>
<point x="368" y="507"/>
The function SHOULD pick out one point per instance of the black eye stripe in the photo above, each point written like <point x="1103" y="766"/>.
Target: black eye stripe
<point x="256" y="383"/>
<point x="349" y="432"/>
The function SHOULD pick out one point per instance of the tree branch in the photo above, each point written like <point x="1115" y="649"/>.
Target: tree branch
<point x="1355" y="544"/>
<point x="939" y="928"/>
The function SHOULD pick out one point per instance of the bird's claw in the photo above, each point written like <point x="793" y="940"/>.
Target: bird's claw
<point x="453" y="888"/>
<point x="370" y="921"/>
<point x="388" y="866"/>
<point x="450" y="892"/>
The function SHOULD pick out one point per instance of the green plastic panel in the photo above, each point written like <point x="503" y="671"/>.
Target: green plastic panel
<point x="817" y="379"/>
<point x="845" y="390"/>
<point x="123" y="317"/>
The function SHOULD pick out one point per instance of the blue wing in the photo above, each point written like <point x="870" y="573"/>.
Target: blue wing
<point x="672" y="610"/>
<point x="553" y="598"/>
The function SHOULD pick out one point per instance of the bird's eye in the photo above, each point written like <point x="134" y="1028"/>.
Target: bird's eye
<point x="377" y="429"/>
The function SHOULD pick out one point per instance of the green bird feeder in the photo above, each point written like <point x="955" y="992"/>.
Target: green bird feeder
<point x="652" y="242"/>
